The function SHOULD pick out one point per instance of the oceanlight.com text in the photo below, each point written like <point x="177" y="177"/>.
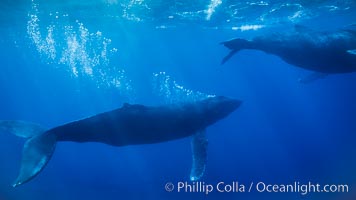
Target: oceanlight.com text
<point x="260" y="187"/>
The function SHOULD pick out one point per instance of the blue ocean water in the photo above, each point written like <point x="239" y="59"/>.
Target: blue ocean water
<point x="66" y="60"/>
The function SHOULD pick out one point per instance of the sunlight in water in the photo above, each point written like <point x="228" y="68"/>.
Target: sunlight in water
<point x="291" y="12"/>
<point x="211" y="8"/>
<point x="77" y="53"/>
<point x="45" y="46"/>
<point x="172" y="92"/>
<point x="86" y="54"/>
<point x="247" y="27"/>
<point x="112" y="2"/>
<point x="131" y="9"/>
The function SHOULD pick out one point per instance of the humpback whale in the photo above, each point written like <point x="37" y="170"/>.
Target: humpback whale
<point x="132" y="124"/>
<point x="321" y="52"/>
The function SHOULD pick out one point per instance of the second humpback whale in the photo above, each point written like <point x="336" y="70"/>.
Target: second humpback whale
<point x="128" y="125"/>
<point x="322" y="52"/>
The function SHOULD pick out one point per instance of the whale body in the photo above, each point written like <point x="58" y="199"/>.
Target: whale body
<point x="129" y="125"/>
<point x="321" y="52"/>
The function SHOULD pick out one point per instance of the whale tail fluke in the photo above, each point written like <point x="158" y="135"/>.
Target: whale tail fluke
<point x="21" y="128"/>
<point x="37" y="150"/>
<point x="36" y="153"/>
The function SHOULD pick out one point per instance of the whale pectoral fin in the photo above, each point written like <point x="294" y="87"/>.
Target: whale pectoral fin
<point x="312" y="77"/>
<point x="226" y="58"/>
<point x="21" y="128"/>
<point x="353" y="51"/>
<point x="36" y="153"/>
<point x="199" y="150"/>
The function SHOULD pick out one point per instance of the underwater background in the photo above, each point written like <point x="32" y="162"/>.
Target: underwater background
<point x="65" y="60"/>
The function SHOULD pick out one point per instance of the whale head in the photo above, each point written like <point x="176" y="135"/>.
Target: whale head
<point x="218" y="107"/>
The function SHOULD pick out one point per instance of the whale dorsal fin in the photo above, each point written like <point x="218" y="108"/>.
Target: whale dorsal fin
<point x="301" y="29"/>
<point x="126" y="105"/>
<point x="199" y="150"/>
<point x="133" y="107"/>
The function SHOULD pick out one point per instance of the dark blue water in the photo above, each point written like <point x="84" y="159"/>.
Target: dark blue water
<point x="66" y="60"/>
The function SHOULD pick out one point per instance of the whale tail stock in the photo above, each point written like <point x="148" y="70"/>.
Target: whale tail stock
<point x="37" y="150"/>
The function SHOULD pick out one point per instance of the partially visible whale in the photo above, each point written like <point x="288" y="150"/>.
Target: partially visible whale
<point x="322" y="52"/>
<point x="128" y="125"/>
